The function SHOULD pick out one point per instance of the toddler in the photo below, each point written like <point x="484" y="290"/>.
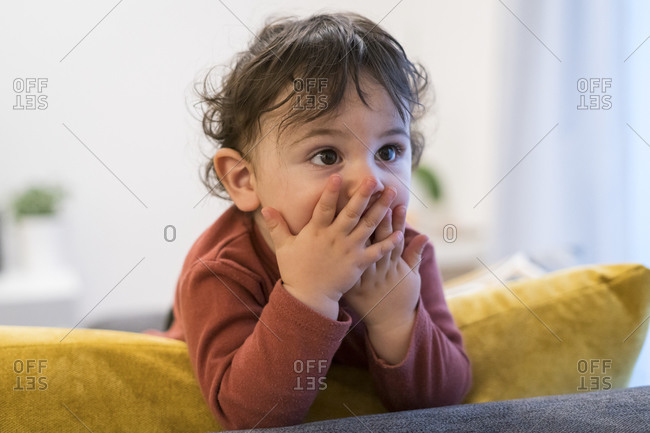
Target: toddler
<point x="314" y="262"/>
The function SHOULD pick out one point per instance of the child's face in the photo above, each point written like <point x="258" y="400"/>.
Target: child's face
<point x="290" y="173"/>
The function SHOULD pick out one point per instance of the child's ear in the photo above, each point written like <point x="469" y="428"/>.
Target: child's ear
<point x="236" y="174"/>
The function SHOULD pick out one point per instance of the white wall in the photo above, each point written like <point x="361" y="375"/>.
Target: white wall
<point x="125" y="89"/>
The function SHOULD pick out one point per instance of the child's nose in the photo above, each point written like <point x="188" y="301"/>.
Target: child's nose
<point x="352" y="186"/>
<point x="355" y="184"/>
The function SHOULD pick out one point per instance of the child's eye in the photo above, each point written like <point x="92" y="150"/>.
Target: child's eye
<point x="389" y="152"/>
<point x="325" y="157"/>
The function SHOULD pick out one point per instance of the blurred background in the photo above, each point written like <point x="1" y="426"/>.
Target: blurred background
<point x="538" y="141"/>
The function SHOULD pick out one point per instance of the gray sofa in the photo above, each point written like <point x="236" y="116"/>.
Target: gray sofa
<point x="623" y="410"/>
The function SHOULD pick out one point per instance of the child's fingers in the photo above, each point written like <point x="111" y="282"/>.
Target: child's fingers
<point x="384" y="230"/>
<point x="385" y="227"/>
<point x="277" y="226"/>
<point x="325" y="209"/>
<point x="399" y="223"/>
<point x="378" y="250"/>
<point x="374" y="216"/>
<point x="413" y="253"/>
<point x="349" y="216"/>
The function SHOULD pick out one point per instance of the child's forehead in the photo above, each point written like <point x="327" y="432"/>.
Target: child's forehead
<point x="373" y="98"/>
<point x="372" y="112"/>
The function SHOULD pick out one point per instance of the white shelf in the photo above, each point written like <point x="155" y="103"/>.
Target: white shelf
<point x="47" y="297"/>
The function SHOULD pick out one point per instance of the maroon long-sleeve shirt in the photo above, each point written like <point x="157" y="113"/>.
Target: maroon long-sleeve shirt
<point x="260" y="355"/>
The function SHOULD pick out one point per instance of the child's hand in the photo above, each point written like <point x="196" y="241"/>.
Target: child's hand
<point x="388" y="291"/>
<point x="330" y="253"/>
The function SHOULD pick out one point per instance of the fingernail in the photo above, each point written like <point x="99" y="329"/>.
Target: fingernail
<point x="336" y="180"/>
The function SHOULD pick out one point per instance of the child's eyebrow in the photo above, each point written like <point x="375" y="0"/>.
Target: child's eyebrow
<point x="340" y="133"/>
<point x="320" y="131"/>
<point x="395" y="131"/>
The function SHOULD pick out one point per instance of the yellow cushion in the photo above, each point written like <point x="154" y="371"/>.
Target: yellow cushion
<point x="105" y="380"/>
<point x="580" y="329"/>
<point x="118" y="381"/>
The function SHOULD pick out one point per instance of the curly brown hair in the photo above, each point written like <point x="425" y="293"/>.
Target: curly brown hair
<point x="331" y="49"/>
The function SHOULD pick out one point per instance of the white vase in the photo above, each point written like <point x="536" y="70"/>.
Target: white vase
<point x="39" y="242"/>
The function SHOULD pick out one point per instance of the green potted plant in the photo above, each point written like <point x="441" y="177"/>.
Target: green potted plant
<point x="429" y="207"/>
<point x="426" y="177"/>
<point x="38" y="227"/>
<point x="37" y="201"/>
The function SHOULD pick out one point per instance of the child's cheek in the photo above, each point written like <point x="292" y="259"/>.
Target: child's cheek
<point x="300" y="208"/>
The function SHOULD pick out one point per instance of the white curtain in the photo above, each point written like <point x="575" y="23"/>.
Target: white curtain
<point x="581" y="177"/>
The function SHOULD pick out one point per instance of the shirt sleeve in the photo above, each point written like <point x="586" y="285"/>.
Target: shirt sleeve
<point x="258" y="364"/>
<point x="435" y="371"/>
